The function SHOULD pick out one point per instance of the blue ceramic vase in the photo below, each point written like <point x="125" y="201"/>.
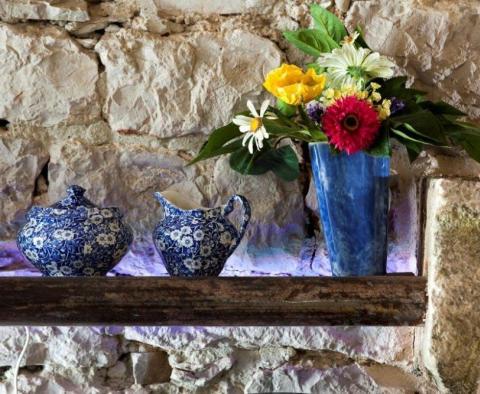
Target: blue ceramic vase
<point x="73" y="237"/>
<point x="198" y="242"/>
<point x="352" y="192"/>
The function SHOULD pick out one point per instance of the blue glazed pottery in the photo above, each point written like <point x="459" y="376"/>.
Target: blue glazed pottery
<point x="352" y="192"/>
<point x="198" y="242"/>
<point x="73" y="237"/>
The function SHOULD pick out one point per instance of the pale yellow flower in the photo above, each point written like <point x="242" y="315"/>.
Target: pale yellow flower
<point x="384" y="109"/>
<point x="375" y="96"/>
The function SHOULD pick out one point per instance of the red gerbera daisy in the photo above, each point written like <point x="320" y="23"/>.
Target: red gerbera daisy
<point x="351" y="124"/>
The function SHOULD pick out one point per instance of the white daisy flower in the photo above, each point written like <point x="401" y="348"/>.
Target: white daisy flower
<point x="205" y="250"/>
<point x="32" y="255"/>
<point x="78" y="264"/>
<point x="349" y="65"/>
<point x="253" y="127"/>
<point x="38" y="242"/>
<point x="225" y="238"/>
<point x="198" y="235"/>
<point x="106" y="213"/>
<point x="93" y="211"/>
<point x="89" y="271"/>
<point x="186" y="230"/>
<point x="63" y="235"/>
<point x="66" y="270"/>
<point x="96" y="219"/>
<point x="175" y="235"/>
<point x="192" y="264"/>
<point x="105" y="239"/>
<point x="114" y="227"/>
<point x="186" y="241"/>
<point x="52" y="266"/>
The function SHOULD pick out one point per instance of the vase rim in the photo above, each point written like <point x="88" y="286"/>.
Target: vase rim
<point x="318" y="143"/>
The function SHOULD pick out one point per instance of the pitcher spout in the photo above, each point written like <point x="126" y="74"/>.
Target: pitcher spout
<point x="162" y="200"/>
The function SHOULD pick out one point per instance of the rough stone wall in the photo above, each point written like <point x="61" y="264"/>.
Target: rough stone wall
<point x="117" y="96"/>
<point x="452" y="336"/>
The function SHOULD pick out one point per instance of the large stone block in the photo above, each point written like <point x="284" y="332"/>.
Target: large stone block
<point x="63" y="10"/>
<point x="184" y="83"/>
<point x="452" y="255"/>
<point x="436" y="42"/>
<point x="389" y="345"/>
<point x="121" y="175"/>
<point x="46" y="77"/>
<point x="213" y="6"/>
<point x="21" y="161"/>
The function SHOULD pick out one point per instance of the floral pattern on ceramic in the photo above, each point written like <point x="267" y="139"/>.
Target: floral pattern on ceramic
<point x="198" y="242"/>
<point x="73" y="237"/>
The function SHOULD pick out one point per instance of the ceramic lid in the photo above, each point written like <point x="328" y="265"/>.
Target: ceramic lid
<point x="75" y="203"/>
<point x="75" y="198"/>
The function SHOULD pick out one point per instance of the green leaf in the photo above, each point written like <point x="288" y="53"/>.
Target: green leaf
<point x="381" y="147"/>
<point x="424" y="123"/>
<point x="328" y="23"/>
<point x="361" y="37"/>
<point x="317" y="135"/>
<point x="283" y="162"/>
<point x="406" y="136"/>
<point x="215" y="143"/>
<point x="471" y="143"/>
<point x="396" y="87"/>
<point x="467" y="135"/>
<point x="413" y="148"/>
<point x="442" y="108"/>
<point x="286" y="109"/>
<point x="311" y="41"/>
<point x="243" y="161"/>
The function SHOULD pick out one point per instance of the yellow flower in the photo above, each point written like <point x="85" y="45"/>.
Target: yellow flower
<point x="330" y="95"/>
<point x="293" y="86"/>
<point x="384" y="109"/>
<point x="376" y="96"/>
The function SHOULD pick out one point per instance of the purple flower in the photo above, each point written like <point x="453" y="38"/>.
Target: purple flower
<point x="315" y="111"/>
<point x="397" y="105"/>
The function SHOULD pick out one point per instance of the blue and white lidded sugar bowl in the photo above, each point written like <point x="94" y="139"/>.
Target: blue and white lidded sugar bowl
<point x="73" y="237"/>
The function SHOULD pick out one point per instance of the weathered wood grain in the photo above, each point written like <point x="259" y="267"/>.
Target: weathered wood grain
<point x="252" y="301"/>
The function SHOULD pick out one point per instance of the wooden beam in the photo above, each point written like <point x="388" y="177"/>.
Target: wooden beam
<point x="250" y="301"/>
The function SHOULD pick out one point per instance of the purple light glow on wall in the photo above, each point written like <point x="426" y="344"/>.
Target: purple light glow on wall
<point x="302" y="258"/>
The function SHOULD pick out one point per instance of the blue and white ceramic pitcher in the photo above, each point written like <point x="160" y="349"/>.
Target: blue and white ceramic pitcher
<point x="198" y="242"/>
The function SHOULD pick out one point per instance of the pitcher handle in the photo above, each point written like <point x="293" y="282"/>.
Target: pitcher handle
<point x="228" y="208"/>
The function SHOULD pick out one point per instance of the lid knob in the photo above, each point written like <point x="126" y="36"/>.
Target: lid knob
<point x="75" y="191"/>
<point x="75" y="198"/>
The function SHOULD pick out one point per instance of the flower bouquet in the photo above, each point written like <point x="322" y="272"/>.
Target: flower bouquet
<point x="347" y="106"/>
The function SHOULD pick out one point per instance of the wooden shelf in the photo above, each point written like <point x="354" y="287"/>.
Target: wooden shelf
<point x="249" y="301"/>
